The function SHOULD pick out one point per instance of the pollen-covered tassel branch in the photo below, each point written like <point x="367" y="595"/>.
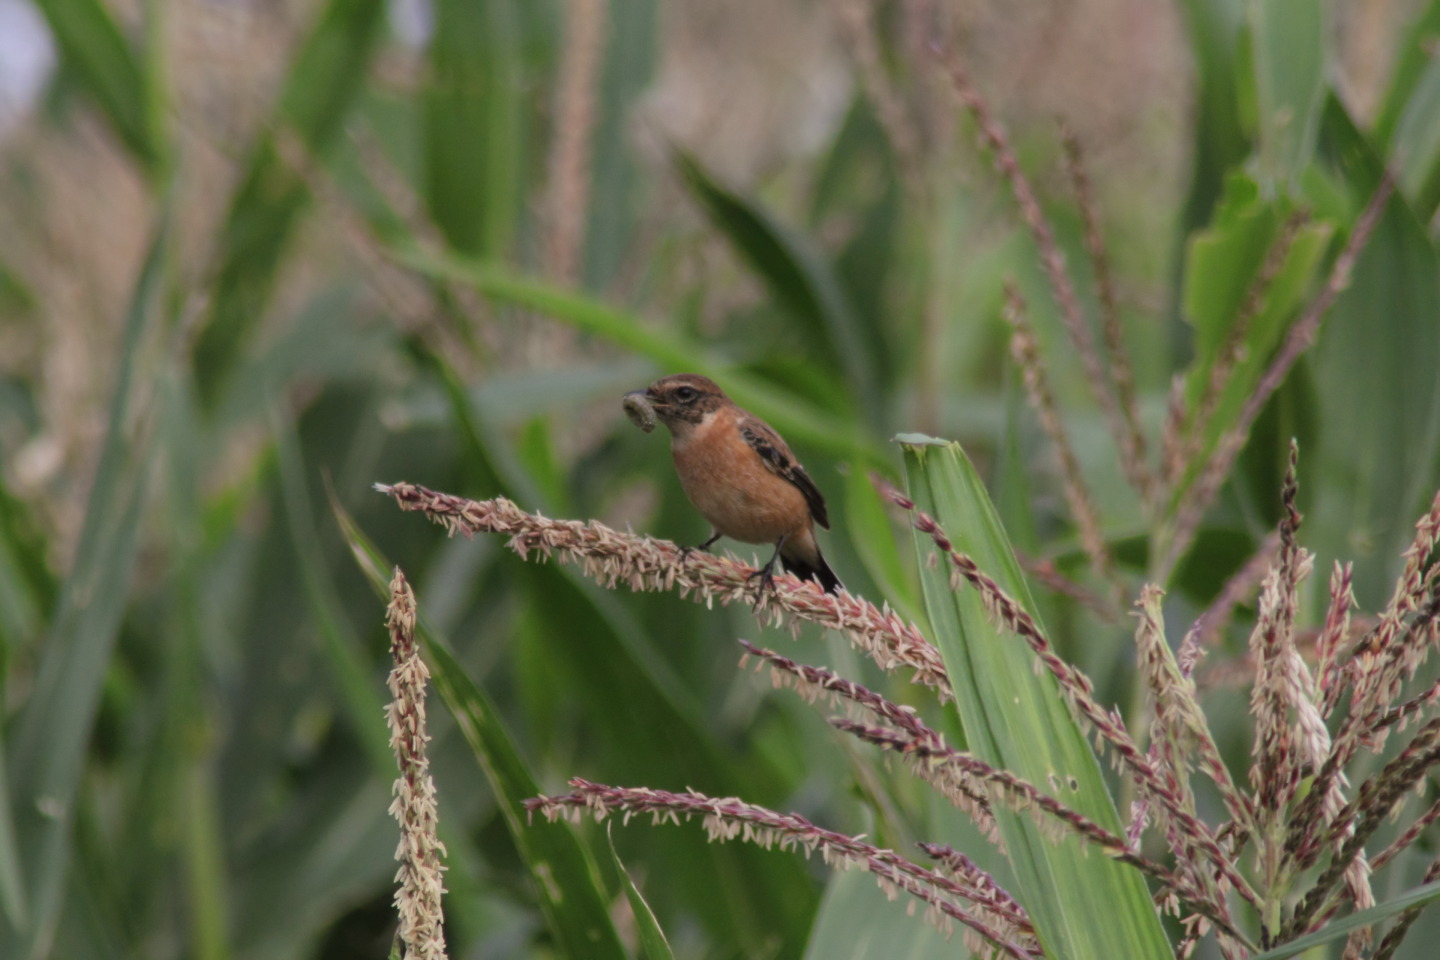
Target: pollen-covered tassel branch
<point x="418" y="899"/>
<point x="1037" y="387"/>
<point x="1376" y="667"/>
<point x="1354" y="825"/>
<point x="642" y="563"/>
<point x="991" y="923"/>
<point x="1132" y="439"/>
<point x="955" y="785"/>
<point x="1333" y="634"/>
<point x="1285" y="750"/>
<point x="1396" y="650"/>
<point x="1180" y="723"/>
<point x="1282" y="682"/>
<point x="1052" y="260"/>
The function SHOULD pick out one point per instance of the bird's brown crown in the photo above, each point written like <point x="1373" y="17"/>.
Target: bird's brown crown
<point x="685" y="398"/>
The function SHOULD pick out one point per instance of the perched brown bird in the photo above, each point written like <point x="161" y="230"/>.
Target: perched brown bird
<point x="740" y="474"/>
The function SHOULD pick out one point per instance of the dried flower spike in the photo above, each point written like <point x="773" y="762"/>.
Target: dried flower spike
<point x="612" y="558"/>
<point x="420" y="851"/>
<point x="992" y="919"/>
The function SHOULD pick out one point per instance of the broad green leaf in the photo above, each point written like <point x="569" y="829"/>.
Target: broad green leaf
<point x="324" y="80"/>
<point x="473" y="112"/>
<point x="114" y="74"/>
<point x="568" y="884"/>
<point x="177" y="785"/>
<point x="1219" y="140"/>
<point x="1410" y="114"/>
<point x="858" y="922"/>
<point x="1222" y="265"/>
<point x="1289" y="53"/>
<point x="48" y="741"/>
<point x="14" y="904"/>
<point x="1335" y="929"/>
<point x="652" y="938"/>
<point x="1416" y="142"/>
<point x="860" y="182"/>
<point x="352" y="674"/>
<point x="799" y="278"/>
<point x="206" y="881"/>
<point x="1224" y="259"/>
<point x="28" y="586"/>
<point x="869" y="527"/>
<point x="1377" y="395"/>
<point x="1414" y="59"/>
<point x="618" y="180"/>
<point x="797" y="420"/>
<point x="1083" y="904"/>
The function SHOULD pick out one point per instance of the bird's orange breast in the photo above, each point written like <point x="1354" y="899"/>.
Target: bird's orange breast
<point x="728" y="482"/>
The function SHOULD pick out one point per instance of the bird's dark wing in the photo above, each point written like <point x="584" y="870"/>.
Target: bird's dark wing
<point x="777" y="456"/>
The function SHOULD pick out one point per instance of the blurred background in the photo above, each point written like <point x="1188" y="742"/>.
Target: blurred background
<point x="257" y="255"/>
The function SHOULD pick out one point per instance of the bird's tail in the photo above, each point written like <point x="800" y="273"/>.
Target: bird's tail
<point x="813" y="568"/>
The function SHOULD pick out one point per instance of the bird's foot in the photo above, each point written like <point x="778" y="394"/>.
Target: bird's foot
<point x="766" y="575"/>
<point x="702" y="547"/>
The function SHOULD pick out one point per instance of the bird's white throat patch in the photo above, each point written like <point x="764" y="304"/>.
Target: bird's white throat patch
<point x="683" y="433"/>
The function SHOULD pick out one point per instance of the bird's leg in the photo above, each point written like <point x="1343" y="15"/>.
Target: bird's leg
<point x="686" y="551"/>
<point x="767" y="572"/>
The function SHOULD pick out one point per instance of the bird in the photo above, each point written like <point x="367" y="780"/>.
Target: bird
<point x="740" y="474"/>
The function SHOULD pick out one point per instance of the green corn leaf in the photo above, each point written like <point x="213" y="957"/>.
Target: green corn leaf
<point x="799" y="278"/>
<point x="1414" y="59"/>
<point x="620" y="181"/>
<point x="1335" y="929"/>
<point x="28" y="585"/>
<point x="1083" y="904"/>
<point x="1408" y="127"/>
<point x="352" y="672"/>
<point x="326" y="77"/>
<point x="49" y="740"/>
<point x="112" y="74"/>
<point x="1288" y="45"/>
<point x="1219" y="138"/>
<point x="871" y="531"/>
<point x="472" y="116"/>
<point x="1417" y="144"/>
<point x="857" y="922"/>
<point x="1222" y="264"/>
<point x="567" y="882"/>
<point x="797" y="420"/>
<point x="652" y="938"/>
<point x="1379" y="447"/>
<point x="14" y="904"/>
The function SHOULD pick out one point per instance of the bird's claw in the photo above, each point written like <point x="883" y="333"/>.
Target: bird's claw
<point x="702" y="547"/>
<point x="767" y="580"/>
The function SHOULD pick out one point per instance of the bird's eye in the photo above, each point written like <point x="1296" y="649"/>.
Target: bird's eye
<point x="686" y="394"/>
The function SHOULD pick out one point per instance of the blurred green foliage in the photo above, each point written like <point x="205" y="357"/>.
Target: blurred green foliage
<point x="193" y="760"/>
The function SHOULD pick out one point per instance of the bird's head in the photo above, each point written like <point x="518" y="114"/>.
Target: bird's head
<point x="683" y="400"/>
